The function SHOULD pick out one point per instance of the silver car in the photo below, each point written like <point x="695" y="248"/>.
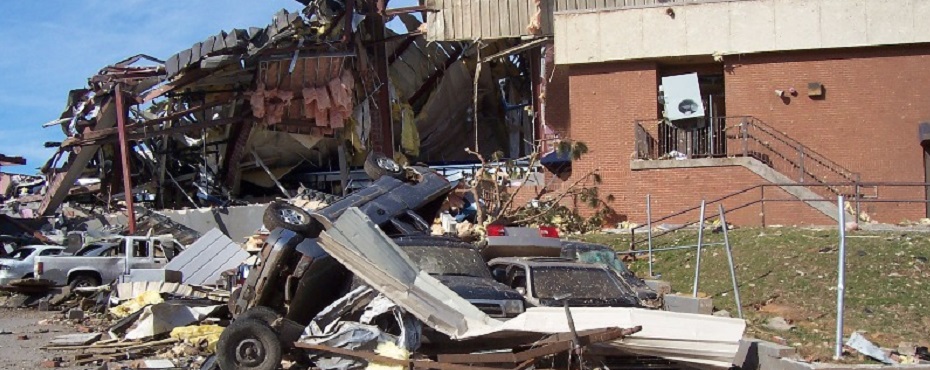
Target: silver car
<point x="19" y="263"/>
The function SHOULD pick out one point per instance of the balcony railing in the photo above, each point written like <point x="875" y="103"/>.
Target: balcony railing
<point x="742" y="136"/>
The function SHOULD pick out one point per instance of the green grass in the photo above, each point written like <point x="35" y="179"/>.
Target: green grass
<point x="792" y="273"/>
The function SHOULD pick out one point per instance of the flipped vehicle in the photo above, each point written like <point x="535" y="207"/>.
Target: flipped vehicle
<point x="603" y="254"/>
<point x="550" y="281"/>
<point x="295" y="278"/>
<point x="19" y="264"/>
<point x="106" y="264"/>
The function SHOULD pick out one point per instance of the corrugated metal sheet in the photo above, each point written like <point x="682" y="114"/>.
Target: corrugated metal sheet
<point x="203" y="262"/>
<point x="485" y="19"/>
<point x="570" y="5"/>
<point x="466" y="20"/>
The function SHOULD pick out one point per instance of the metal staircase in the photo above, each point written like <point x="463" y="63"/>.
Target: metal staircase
<point x="747" y="137"/>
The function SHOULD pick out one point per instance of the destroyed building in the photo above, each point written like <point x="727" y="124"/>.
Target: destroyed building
<point x="245" y="116"/>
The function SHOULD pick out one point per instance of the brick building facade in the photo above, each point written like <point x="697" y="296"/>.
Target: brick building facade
<point x="866" y="121"/>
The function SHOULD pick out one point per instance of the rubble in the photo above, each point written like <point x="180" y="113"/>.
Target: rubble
<point x="249" y="121"/>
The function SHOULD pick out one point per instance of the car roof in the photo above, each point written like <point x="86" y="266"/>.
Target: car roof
<point x="544" y="262"/>
<point x="38" y="246"/>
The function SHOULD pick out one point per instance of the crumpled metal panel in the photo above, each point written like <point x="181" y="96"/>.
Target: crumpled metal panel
<point x="203" y="262"/>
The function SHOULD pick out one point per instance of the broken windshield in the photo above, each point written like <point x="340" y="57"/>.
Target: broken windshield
<point x="608" y="258"/>
<point x="579" y="282"/>
<point x="448" y="261"/>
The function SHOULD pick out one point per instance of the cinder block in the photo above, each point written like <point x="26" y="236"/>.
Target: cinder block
<point x="688" y="304"/>
<point x="206" y="47"/>
<point x="661" y="287"/>
<point x="75" y="314"/>
<point x="776" y="350"/>
<point x="195" y="53"/>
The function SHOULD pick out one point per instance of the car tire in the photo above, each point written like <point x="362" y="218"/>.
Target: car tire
<point x="378" y="165"/>
<point x="288" y="216"/>
<point x="260" y="313"/>
<point x="248" y="345"/>
<point x="83" y="281"/>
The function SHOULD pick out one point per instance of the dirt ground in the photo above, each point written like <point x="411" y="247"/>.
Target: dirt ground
<point x="27" y="353"/>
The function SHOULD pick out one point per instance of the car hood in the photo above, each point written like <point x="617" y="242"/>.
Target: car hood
<point x="591" y="302"/>
<point x="471" y="288"/>
<point x="11" y="262"/>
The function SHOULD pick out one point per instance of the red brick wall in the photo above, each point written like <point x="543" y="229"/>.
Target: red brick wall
<point x="867" y="121"/>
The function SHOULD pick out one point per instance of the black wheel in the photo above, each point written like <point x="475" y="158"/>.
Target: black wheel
<point x="248" y="345"/>
<point x="83" y="281"/>
<point x="288" y="216"/>
<point x="378" y="165"/>
<point x="260" y="313"/>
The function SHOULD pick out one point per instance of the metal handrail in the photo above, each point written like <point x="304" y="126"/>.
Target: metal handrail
<point x="800" y="147"/>
<point x="753" y="138"/>
<point x="762" y="200"/>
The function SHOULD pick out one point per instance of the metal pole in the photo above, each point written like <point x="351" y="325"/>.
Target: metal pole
<point x="649" y="230"/>
<point x="841" y="280"/>
<point x="801" y="165"/>
<point x="858" y="211"/>
<point x="726" y="244"/>
<point x="122" y="112"/>
<point x="697" y="263"/>
<point x="762" y="214"/>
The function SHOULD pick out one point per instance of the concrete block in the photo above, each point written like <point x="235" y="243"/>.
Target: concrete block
<point x="43" y="305"/>
<point x="661" y="287"/>
<point x="236" y="38"/>
<point x="688" y="304"/>
<point x="772" y="363"/>
<point x="220" y="43"/>
<point x="755" y="354"/>
<point x="184" y="59"/>
<point x="770" y="349"/>
<point x="747" y="355"/>
<point x="75" y="314"/>
<point x="195" y="53"/>
<point x="206" y="47"/>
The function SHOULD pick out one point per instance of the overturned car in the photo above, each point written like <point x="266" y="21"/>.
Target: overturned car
<point x="296" y="279"/>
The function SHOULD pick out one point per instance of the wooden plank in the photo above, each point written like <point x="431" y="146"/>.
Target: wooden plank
<point x="518" y="21"/>
<point x="448" y="14"/>
<point x="457" y="31"/>
<point x="475" y="18"/>
<point x="464" y="22"/>
<point x="501" y="19"/>
<point x="75" y="339"/>
<point x="486" y="17"/>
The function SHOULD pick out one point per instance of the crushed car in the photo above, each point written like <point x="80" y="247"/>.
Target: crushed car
<point x="553" y="281"/>
<point x="459" y="266"/>
<point x="295" y="279"/>
<point x="603" y="254"/>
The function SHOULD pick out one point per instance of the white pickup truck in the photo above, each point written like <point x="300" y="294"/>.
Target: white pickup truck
<point x="93" y="267"/>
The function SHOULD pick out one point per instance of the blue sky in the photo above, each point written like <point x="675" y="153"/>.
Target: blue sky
<point x="52" y="46"/>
